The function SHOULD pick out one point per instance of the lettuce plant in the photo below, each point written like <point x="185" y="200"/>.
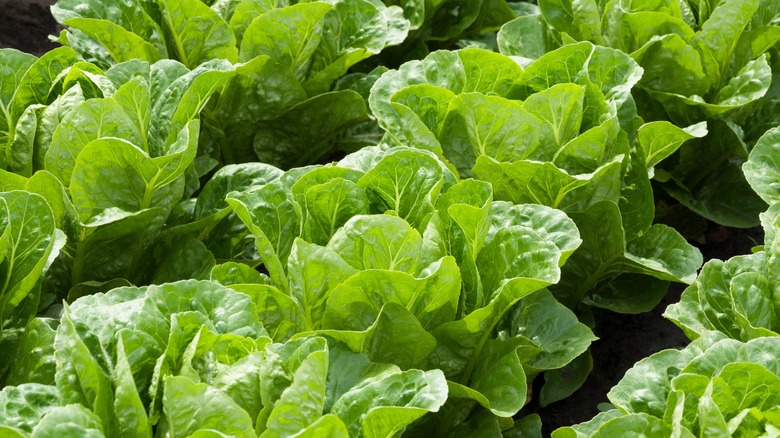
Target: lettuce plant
<point x="713" y="387"/>
<point x="737" y="297"/>
<point x="192" y="358"/>
<point x="27" y="83"/>
<point x="724" y="61"/>
<point x="282" y="104"/>
<point x="108" y="167"/>
<point x="389" y="253"/>
<point x="551" y="134"/>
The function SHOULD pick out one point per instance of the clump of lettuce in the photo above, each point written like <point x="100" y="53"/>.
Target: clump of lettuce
<point x="738" y="297"/>
<point x="282" y="103"/>
<point x="388" y="252"/>
<point x="714" y="387"/>
<point x="702" y="61"/>
<point x="192" y="359"/>
<point x="554" y="133"/>
<point x="112" y="154"/>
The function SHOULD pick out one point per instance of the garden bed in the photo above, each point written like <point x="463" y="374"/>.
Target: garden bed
<point x="624" y="339"/>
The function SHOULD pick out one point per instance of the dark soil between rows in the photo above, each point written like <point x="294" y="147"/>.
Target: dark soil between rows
<point x="26" y="25"/>
<point x="624" y="339"/>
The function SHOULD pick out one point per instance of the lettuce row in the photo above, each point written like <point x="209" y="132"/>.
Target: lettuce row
<point x="191" y="358"/>
<point x="724" y="59"/>
<point x="419" y="268"/>
<point x="451" y="281"/>
<point x="714" y="387"/>
<point x="552" y="134"/>
<point x="101" y="155"/>
<point x="738" y="297"/>
<point x="282" y="103"/>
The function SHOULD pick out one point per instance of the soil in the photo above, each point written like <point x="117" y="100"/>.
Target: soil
<point x="26" y="25"/>
<point x="624" y="339"/>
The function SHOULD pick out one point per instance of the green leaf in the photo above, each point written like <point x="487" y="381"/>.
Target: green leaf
<point x="80" y="377"/>
<point x="49" y="119"/>
<point x="35" y="361"/>
<point x="301" y="403"/>
<point x="512" y="261"/>
<point x="70" y="420"/>
<point x="115" y="173"/>
<point x="267" y="213"/>
<point x="548" y="223"/>
<point x="353" y="30"/>
<point x="525" y="36"/>
<point x="634" y="426"/>
<point x="478" y="124"/>
<point x="544" y="183"/>
<point x="239" y="177"/>
<point x="659" y="140"/>
<point x="380" y="242"/>
<point x="671" y="53"/>
<point x="241" y="381"/>
<point x="21" y="149"/>
<point x="563" y="382"/>
<point x="329" y="206"/>
<point x="195" y="33"/>
<point x="261" y="89"/>
<point x="750" y="83"/>
<point x="551" y="326"/>
<point x="37" y="82"/>
<point x="499" y="374"/>
<point x="314" y="272"/>
<point x="280" y="314"/>
<point x="716" y="189"/>
<point x="190" y="407"/>
<point x="91" y="120"/>
<point x="246" y="11"/>
<point x="27" y="239"/>
<point x="734" y="298"/>
<point x="762" y="170"/>
<point x="489" y="73"/>
<point x="114" y="235"/>
<point x="442" y="69"/>
<point x="578" y="18"/>
<point x="289" y="35"/>
<point x="433" y="299"/>
<point x="185" y="259"/>
<point x="407" y="182"/>
<point x="717" y="41"/>
<point x="231" y="273"/>
<point x="327" y="425"/>
<point x="383" y="407"/>
<point x="121" y="44"/>
<point x="129" y="408"/>
<point x="23" y="406"/>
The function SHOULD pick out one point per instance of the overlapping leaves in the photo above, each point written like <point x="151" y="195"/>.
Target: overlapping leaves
<point x="723" y="59"/>
<point x="426" y="284"/>
<point x="713" y="387"/>
<point x="192" y="358"/>
<point x="551" y="134"/>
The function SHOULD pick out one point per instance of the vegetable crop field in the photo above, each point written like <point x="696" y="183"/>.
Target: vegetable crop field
<point x="387" y="218"/>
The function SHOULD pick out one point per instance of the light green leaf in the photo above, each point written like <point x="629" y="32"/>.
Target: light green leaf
<point x="190" y="407"/>
<point x="121" y="44"/>
<point x="289" y="35"/>
<point x="195" y="33"/>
